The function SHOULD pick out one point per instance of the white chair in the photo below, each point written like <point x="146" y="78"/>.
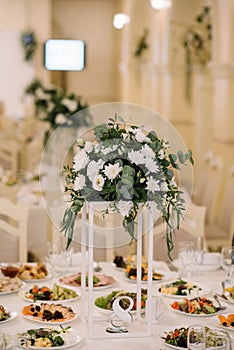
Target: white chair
<point x="220" y="232"/>
<point x="13" y="231"/>
<point x="192" y="227"/>
<point x="9" y="154"/>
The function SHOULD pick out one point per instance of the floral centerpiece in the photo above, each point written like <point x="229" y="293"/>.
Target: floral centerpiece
<point x="126" y="167"/>
<point x="57" y="108"/>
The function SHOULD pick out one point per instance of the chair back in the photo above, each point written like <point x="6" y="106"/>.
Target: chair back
<point x="13" y="231"/>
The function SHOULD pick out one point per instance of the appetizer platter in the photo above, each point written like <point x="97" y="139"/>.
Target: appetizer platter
<point x="50" y="337"/>
<point x="177" y="338"/>
<point x="33" y="272"/>
<point x="181" y="288"/>
<point x="196" y="307"/>
<point x="104" y="303"/>
<point x="100" y="281"/>
<point x="5" y="315"/>
<point x="53" y="294"/>
<point x="49" y="313"/>
<point x="10" y="285"/>
<point x="225" y="321"/>
<point x="131" y="274"/>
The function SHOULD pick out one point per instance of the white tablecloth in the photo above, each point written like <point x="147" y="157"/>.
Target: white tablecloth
<point x="169" y="318"/>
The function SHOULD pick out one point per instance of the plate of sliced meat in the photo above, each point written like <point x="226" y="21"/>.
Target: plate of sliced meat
<point x="49" y="313"/>
<point x="100" y="281"/>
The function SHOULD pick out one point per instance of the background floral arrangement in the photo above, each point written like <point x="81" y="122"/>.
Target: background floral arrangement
<point x="197" y="44"/>
<point x="56" y="107"/>
<point x="142" y="44"/>
<point x="125" y="167"/>
<point x="29" y="44"/>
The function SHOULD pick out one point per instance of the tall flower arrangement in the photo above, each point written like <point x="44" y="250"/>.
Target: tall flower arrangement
<point x="55" y="107"/>
<point x="126" y="167"/>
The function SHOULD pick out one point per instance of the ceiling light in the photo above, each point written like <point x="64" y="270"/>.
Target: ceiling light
<point x="120" y="19"/>
<point x="161" y="4"/>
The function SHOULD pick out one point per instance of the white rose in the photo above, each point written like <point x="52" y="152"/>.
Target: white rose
<point x="70" y="104"/>
<point x="88" y="146"/>
<point x="60" y="118"/>
<point x="79" y="182"/>
<point x="80" y="160"/>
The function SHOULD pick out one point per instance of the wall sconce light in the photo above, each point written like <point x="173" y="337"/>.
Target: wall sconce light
<point x="161" y="4"/>
<point x="120" y="19"/>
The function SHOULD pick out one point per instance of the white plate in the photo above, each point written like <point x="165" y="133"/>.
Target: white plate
<point x="108" y="285"/>
<point x="201" y="267"/>
<point x="14" y="291"/>
<point x="164" y="333"/>
<point x="13" y="315"/>
<point x="36" y="280"/>
<point x="22" y="295"/>
<point x="216" y="323"/>
<point x="31" y="318"/>
<point x="230" y="300"/>
<point x="166" y="276"/>
<point x="73" y="338"/>
<point x="196" y="315"/>
<point x="199" y="291"/>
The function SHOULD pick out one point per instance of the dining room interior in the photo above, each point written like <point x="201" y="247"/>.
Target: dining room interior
<point x="116" y="174"/>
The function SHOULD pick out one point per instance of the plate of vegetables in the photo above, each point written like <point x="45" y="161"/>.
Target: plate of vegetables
<point x="5" y="315"/>
<point x="104" y="303"/>
<point x="177" y="338"/>
<point x="50" y="337"/>
<point x="181" y="288"/>
<point x="53" y="294"/>
<point x="200" y="306"/>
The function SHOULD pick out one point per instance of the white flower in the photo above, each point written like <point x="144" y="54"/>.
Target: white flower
<point x="80" y="160"/>
<point x="79" y="182"/>
<point x="60" y="118"/>
<point x="50" y="106"/>
<point x="70" y="104"/>
<point x="148" y="152"/>
<point x="88" y="146"/>
<point x="152" y="185"/>
<point x="80" y="142"/>
<point x="151" y="165"/>
<point x="40" y="94"/>
<point x="124" y="207"/>
<point x="161" y="154"/>
<point x="140" y="137"/>
<point x="111" y="171"/>
<point x="136" y="157"/>
<point x="93" y="168"/>
<point x="98" y="183"/>
<point x="164" y="186"/>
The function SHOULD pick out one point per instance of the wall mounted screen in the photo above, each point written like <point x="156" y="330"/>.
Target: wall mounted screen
<point x="61" y="54"/>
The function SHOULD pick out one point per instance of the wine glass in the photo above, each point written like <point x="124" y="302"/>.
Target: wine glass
<point x="185" y="257"/>
<point x="196" y="339"/>
<point x="59" y="258"/>
<point x="218" y="339"/>
<point x="227" y="257"/>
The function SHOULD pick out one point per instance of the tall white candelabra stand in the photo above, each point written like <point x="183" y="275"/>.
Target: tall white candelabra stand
<point x="97" y="325"/>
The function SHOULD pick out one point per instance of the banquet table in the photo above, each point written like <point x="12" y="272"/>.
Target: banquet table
<point x="168" y="320"/>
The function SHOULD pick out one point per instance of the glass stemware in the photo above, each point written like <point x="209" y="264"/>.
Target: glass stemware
<point x="196" y="339"/>
<point x="227" y="261"/>
<point x="185" y="257"/>
<point x="59" y="258"/>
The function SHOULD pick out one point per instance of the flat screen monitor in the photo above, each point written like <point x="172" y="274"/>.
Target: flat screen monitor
<point x="61" y="54"/>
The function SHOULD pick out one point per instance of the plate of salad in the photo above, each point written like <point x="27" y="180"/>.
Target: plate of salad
<point x="177" y="338"/>
<point x="182" y="288"/>
<point x="104" y="303"/>
<point x="200" y="306"/>
<point x="50" y="338"/>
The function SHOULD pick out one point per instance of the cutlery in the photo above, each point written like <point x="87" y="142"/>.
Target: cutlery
<point x="223" y="288"/>
<point x="221" y="296"/>
<point x="221" y="307"/>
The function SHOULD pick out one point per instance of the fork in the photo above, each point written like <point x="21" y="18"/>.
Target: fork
<point x="221" y="307"/>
